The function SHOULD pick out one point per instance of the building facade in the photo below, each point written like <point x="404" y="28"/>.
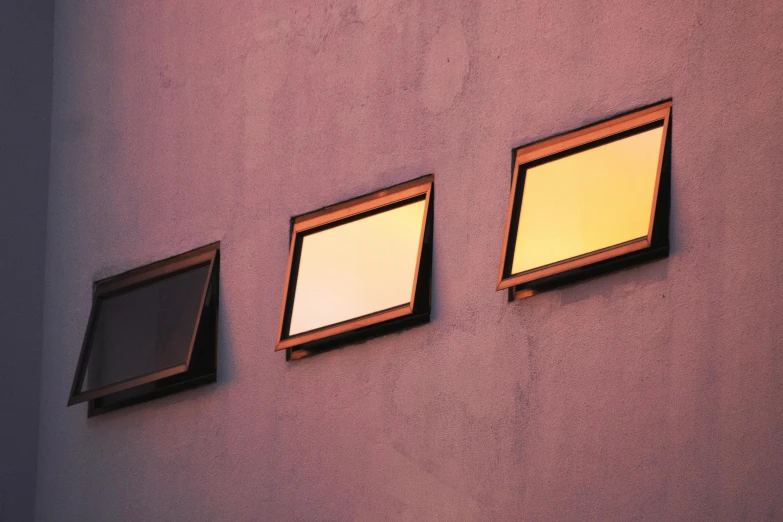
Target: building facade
<point x="652" y="393"/>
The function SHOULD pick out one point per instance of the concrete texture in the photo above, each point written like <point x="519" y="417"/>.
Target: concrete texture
<point x="26" y="28"/>
<point x="655" y="393"/>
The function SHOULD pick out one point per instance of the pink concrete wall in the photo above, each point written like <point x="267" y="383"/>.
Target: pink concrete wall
<point x="653" y="393"/>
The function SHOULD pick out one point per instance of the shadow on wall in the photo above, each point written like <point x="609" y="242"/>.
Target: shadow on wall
<point x="617" y="284"/>
<point x="25" y="117"/>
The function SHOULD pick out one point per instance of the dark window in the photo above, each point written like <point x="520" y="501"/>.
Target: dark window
<point x="152" y="331"/>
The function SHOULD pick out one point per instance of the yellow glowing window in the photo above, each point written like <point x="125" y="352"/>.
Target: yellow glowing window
<point x="358" y="264"/>
<point x="588" y="201"/>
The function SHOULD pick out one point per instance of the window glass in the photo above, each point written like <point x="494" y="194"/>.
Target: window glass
<point x="587" y="201"/>
<point x="144" y="329"/>
<point x="357" y="268"/>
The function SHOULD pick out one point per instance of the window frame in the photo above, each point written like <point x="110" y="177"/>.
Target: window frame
<point x="176" y="374"/>
<point x="653" y="246"/>
<point x="416" y="311"/>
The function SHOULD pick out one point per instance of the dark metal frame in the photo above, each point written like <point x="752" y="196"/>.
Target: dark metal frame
<point x="200" y="367"/>
<point x="654" y="245"/>
<point x="416" y="311"/>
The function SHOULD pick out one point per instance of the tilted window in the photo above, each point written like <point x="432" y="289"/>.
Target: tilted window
<point x="152" y="331"/>
<point x="358" y="268"/>
<point x="587" y="202"/>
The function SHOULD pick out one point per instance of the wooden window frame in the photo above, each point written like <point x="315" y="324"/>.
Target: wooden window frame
<point x="654" y="246"/>
<point x="416" y="311"/>
<point x="200" y="366"/>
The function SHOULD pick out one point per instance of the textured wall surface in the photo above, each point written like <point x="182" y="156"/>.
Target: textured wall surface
<point x="653" y="393"/>
<point x="25" y="120"/>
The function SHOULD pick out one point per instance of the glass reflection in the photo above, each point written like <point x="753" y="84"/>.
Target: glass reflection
<point x="357" y="268"/>
<point x="587" y="201"/>
<point x="145" y="329"/>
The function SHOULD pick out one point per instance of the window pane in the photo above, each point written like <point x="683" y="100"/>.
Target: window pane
<point x="144" y="329"/>
<point x="587" y="201"/>
<point x="357" y="268"/>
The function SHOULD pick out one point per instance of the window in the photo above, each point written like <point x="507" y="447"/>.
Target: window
<point x="587" y="202"/>
<point x="358" y="268"/>
<point x="152" y="331"/>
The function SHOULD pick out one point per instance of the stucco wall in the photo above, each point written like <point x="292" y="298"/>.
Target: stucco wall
<point x="652" y="393"/>
<point x="25" y="120"/>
